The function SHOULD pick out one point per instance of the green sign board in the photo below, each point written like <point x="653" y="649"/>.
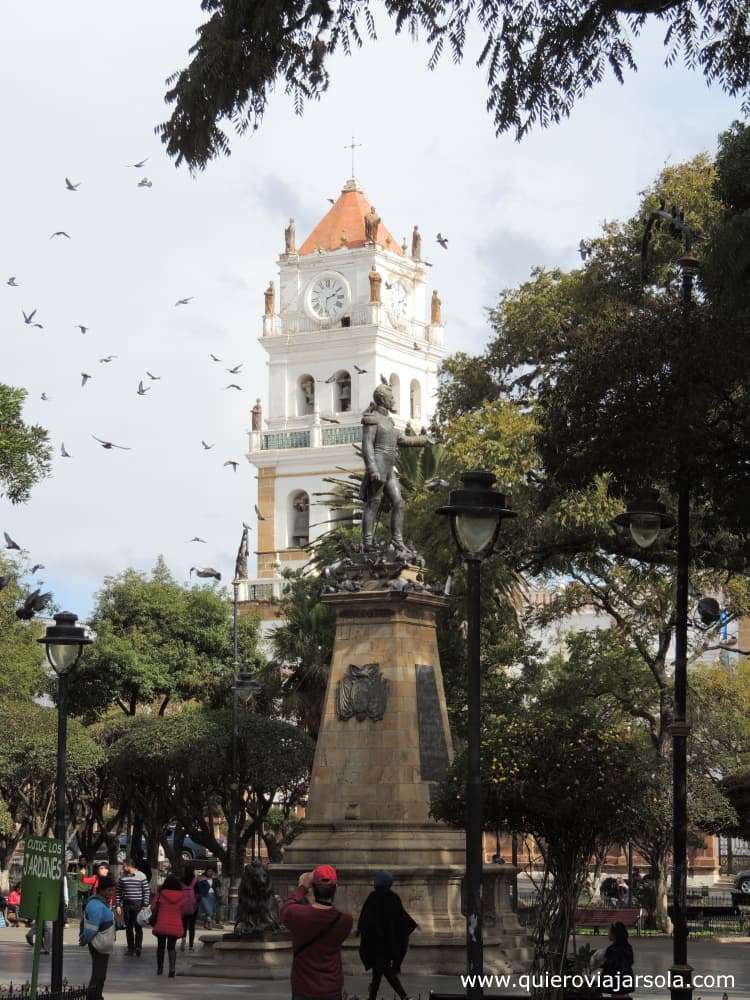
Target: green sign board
<point x="43" y="870"/>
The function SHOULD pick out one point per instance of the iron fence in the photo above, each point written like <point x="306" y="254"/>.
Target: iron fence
<point x="22" y="991"/>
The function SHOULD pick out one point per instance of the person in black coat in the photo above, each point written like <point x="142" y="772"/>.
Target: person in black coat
<point x="384" y="928"/>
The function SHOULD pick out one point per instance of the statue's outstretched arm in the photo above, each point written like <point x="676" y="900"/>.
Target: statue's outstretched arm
<point x="413" y="441"/>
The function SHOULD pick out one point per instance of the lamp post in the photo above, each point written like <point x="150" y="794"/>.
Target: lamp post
<point x="476" y="511"/>
<point x="63" y="642"/>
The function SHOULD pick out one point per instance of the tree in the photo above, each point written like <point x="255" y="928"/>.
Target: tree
<point x="157" y="642"/>
<point x="539" y="58"/>
<point x="24" y="448"/>
<point x="22" y="657"/>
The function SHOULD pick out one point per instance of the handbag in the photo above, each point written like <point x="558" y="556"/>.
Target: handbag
<point x="104" y="940"/>
<point x="145" y="917"/>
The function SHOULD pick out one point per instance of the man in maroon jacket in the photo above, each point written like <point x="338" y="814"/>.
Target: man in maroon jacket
<point x="318" y="930"/>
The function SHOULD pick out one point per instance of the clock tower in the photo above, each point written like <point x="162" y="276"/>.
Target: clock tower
<point x="353" y="308"/>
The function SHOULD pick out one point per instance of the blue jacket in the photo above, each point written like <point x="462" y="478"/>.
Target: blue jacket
<point x="96" y="917"/>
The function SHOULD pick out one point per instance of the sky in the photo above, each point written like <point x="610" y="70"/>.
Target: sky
<point x="83" y="88"/>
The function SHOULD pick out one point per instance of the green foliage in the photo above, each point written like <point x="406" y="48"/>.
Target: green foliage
<point x="538" y="58"/>
<point x="157" y="641"/>
<point x="22" y="658"/>
<point x="24" y="448"/>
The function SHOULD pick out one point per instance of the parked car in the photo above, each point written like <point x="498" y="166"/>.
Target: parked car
<point x="191" y="851"/>
<point x="742" y="882"/>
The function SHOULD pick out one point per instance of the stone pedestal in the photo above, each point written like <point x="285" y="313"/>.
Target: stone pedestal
<point x="383" y="744"/>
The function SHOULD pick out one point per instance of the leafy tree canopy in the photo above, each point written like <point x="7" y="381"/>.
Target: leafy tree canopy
<point x="22" y="675"/>
<point x="538" y="58"/>
<point x="24" y="448"/>
<point x="157" y="641"/>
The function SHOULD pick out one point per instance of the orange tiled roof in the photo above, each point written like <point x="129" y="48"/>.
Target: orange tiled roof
<point x="344" y="225"/>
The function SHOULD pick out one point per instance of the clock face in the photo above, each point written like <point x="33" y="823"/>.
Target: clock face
<point x="328" y="296"/>
<point x="399" y="299"/>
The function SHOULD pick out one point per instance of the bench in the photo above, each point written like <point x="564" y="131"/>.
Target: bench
<point x="602" y="916"/>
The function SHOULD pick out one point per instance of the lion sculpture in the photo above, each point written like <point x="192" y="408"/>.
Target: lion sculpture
<point x="257" y="904"/>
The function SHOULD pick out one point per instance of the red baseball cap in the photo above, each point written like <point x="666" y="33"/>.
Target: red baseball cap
<point x="324" y="874"/>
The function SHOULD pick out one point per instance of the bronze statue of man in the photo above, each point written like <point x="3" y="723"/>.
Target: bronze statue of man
<point x="381" y="440"/>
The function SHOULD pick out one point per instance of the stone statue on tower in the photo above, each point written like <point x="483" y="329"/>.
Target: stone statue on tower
<point x="416" y="244"/>
<point x="270" y="297"/>
<point x="289" y="238"/>
<point x="375" y="282"/>
<point x="436" y="309"/>
<point x="257" y="416"/>
<point x="372" y="221"/>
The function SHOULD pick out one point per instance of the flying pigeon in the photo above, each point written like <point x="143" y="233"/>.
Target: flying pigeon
<point x="389" y="285"/>
<point x="33" y="603"/>
<point x="10" y="544"/>
<point x="35" y="569"/>
<point x="206" y="573"/>
<point x="330" y="379"/>
<point x="384" y="380"/>
<point x="44" y="397"/>
<point x="331" y="420"/>
<point x="196" y="539"/>
<point x="184" y="302"/>
<point x="433" y="485"/>
<point x="109" y="445"/>
<point x="82" y="328"/>
<point x="138" y="165"/>
<point x="142" y="389"/>
<point x="29" y="319"/>
<point x="60" y="232"/>
<point x="233" y="385"/>
<point x="257" y="514"/>
<point x="154" y="378"/>
<point x="233" y="464"/>
<point x="65" y="454"/>
<point x="417" y="347"/>
<point x="106" y="361"/>
<point x="360" y="371"/>
<point x="235" y="370"/>
<point x="443" y="241"/>
<point x="12" y="282"/>
<point x="84" y="378"/>
<point x="71" y="186"/>
<point x="207" y="446"/>
<point x="332" y="201"/>
<point x="144" y="182"/>
<point x="214" y="358"/>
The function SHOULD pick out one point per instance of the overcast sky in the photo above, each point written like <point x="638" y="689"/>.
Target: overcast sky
<point x="82" y="87"/>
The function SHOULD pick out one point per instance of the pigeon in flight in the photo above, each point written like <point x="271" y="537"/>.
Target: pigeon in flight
<point x="34" y="602"/>
<point x="29" y="319"/>
<point x="214" y="358"/>
<point x="235" y="370"/>
<point x="109" y="445"/>
<point x="233" y="464"/>
<point x="10" y="544"/>
<point x="208" y="572"/>
<point x="360" y="371"/>
<point x="35" y="569"/>
<point x="82" y="328"/>
<point x="44" y="397"/>
<point x="389" y="285"/>
<point x="184" y="302"/>
<point x="331" y="379"/>
<point x="142" y="389"/>
<point x="257" y="514"/>
<point x="417" y="347"/>
<point x="384" y="380"/>
<point x="332" y="201"/>
<point x="331" y="420"/>
<point x="233" y="385"/>
<point x="60" y="232"/>
<point x="154" y="378"/>
<point x="196" y="539"/>
<point x="71" y="186"/>
<point x="106" y="361"/>
<point x="65" y="454"/>
<point x="144" y="182"/>
<point x="138" y="165"/>
<point x="206" y="445"/>
<point x="443" y="241"/>
<point x="12" y="282"/>
<point x="433" y="485"/>
<point x="84" y="378"/>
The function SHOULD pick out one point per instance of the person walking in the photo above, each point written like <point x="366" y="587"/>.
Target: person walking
<point x="616" y="961"/>
<point x="167" y="916"/>
<point x="318" y="932"/>
<point x="132" y="896"/>
<point x="207" y="890"/>
<point x="98" y="932"/>
<point x="383" y="928"/>
<point x="13" y="903"/>
<point x="189" y="905"/>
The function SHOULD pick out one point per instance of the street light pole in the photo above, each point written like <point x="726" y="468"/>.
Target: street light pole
<point x="232" y="831"/>
<point x="56" y="965"/>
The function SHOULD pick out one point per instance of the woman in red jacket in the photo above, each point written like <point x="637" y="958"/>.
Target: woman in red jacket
<point x="167" y="913"/>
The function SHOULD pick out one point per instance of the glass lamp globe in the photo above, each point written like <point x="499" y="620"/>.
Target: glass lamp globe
<point x="645" y="528"/>
<point x="476" y="535"/>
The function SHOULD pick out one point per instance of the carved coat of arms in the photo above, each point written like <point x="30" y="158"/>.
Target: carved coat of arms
<point x="361" y="693"/>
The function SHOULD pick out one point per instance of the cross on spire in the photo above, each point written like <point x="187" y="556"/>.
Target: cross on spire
<point x="352" y="146"/>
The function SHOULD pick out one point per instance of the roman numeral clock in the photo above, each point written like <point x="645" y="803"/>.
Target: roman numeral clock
<point x="328" y="296"/>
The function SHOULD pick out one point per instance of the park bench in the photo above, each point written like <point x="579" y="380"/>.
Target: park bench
<point x="603" y="916"/>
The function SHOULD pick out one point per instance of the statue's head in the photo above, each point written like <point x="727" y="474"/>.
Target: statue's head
<point x="383" y="396"/>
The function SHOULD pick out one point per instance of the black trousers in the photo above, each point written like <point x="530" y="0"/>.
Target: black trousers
<point x="133" y="930"/>
<point x="99" y="964"/>
<point x="391" y="977"/>
<point x="188" y="927"/>
<point x="162" y="942"/>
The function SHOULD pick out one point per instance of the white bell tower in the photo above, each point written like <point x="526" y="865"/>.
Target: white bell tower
<point x="330" y="337"/>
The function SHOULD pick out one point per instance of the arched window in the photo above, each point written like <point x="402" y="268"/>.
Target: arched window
<point x="415" y="400"/>
<point x="305" y="395"/>
<point x="342" y="391"/>
<point x="396" y="386"/>
<point x="299" y="519"/>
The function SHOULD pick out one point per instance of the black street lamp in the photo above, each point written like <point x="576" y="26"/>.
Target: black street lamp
<point x="476" y="512"/>
<point x="64" y="642"/>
